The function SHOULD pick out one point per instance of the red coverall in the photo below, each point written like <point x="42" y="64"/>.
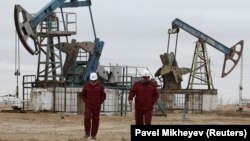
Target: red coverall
<point x="93" y="96"/>
<point x="145" y="97"/>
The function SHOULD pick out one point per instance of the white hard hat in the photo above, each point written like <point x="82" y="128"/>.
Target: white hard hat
<point x="93" y="76"/>
<point x="146" y="73"/>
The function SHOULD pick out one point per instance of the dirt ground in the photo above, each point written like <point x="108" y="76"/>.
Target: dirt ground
<point x="45" y="126"/>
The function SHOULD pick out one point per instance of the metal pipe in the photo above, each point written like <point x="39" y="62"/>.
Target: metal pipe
<point x="92" y="21"/>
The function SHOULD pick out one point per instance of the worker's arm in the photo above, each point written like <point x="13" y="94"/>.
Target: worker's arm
<point x="84" y="97"/>
<point x="103" y="95"/>
<point x="132" y="93"/>
<point x="155" y="95"/>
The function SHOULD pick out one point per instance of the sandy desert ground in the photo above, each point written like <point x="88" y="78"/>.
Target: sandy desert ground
<point x="46" y="126"/>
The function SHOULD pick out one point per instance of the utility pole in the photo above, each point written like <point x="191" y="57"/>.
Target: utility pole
<point x="17" y="62"/>
<point x="241" y="81"/>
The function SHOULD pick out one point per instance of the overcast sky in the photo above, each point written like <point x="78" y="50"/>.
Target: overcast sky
<point x="135" y="34"/>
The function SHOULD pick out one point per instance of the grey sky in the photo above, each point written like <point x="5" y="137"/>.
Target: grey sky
<point x="135" y="34"/>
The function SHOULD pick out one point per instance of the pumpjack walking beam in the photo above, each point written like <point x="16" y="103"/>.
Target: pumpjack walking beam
<point x="26" y="24"/>
<point x="232" y="53"/>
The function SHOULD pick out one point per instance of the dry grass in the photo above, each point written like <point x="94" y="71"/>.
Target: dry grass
<point x="31" y="126"/>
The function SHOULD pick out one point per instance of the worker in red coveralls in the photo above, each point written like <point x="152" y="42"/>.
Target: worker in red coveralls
<point x="93" y="96"/>
<point x="146" y="94"/>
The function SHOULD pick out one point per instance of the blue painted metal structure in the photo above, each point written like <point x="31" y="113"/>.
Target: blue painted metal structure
<point x="45" y="12"/>
<point x="230" y="53"/>
<point x="94" y="59"/>
<point x="52" y="6"/>
<point x="28" y="29"/>
<point x="180" y="24"/>
<point x="76" y="3"/>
